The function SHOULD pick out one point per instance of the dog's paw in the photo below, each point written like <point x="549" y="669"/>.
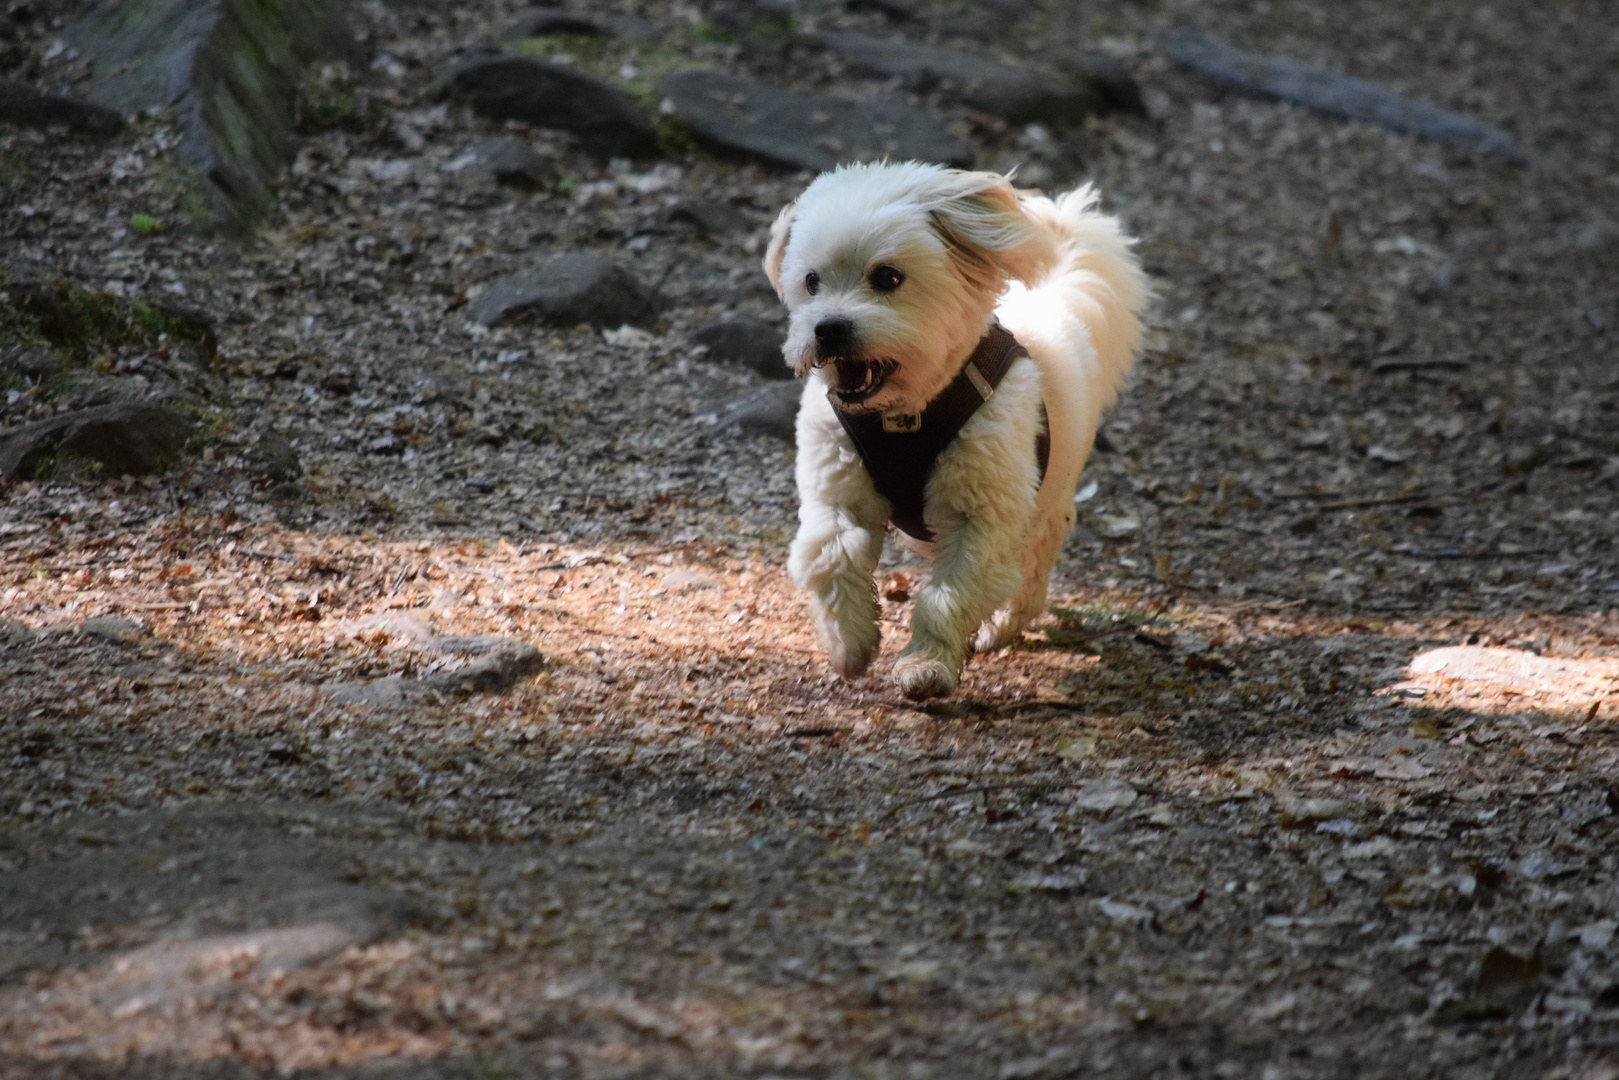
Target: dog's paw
<point x="999" y="630"/>
<point x="851" y="650"/>
<point x="922" y="677"/>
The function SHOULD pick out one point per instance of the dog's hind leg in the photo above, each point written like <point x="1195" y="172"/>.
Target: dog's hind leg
<point x="971" y="577"/>
<point x="976" y="569"/>
<point x="1005" y="626"/>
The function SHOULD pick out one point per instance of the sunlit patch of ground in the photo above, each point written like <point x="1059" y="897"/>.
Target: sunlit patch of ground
<point x="1256" y="786"/>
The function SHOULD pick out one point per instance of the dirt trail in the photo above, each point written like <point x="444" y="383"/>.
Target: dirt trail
<point x="1207" y="820"/>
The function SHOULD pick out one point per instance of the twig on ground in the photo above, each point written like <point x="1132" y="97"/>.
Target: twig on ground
<point x="1393" y="365"/>
<point x="980" y="789"/>
<point x="1378" y="500"/>
<point x="1419" y="553"/>
<point x="254" y="553"/>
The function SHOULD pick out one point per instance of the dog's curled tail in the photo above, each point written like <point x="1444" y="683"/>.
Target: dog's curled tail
<point x="1096" y="277"/>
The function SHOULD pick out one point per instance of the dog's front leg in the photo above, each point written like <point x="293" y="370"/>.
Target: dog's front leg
<point x="972" y="576"/>
<point x="842" y="521"/>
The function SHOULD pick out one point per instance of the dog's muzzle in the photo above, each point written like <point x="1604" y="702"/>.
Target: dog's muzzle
<point x="856" y="380"/>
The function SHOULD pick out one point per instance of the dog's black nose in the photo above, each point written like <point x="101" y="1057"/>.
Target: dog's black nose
<point x="834" y="337"/>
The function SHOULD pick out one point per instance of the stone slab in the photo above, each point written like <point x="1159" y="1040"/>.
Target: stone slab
<point x="30" y="107"/>
<point x="1019" y="94"/>
<point x="607" y="122"/>
<point x="566" y="290"/>
<point x="748" y="342"/>
<point x="134" y="438"/>
<point x="229" y="70"/>
<point x="740" y="118"/>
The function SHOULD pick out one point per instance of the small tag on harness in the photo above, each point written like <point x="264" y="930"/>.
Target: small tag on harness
<point x="902" y="422"/>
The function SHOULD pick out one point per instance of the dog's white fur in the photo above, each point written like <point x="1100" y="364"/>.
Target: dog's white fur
<point x="1061" y="277"/>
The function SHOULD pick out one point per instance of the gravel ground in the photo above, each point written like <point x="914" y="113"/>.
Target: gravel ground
<point x="1207" y="820"/>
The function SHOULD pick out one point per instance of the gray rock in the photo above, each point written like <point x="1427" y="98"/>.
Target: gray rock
<point x="898" y="10"/>
<point x="188" y="885"/>
<point x="983" y="20"/>
<point x="26" y="106"/>
<point x="770" y="410"/>
<point x="34" y="364"/>
<point x="710" y="217"/>
<point x="1016" y="94"/>
<point x="274" y="458"/>
<point x="114" y="629"/>
<point x="393" y="691"/>
<point x="630" y="28"/>
<point x="13" y="635"/>
<point x="133" y="438"/>
<point x="513" y="162"/>
<point x="1339" y="95"/>
<point x="566" y="290"/>
<point x="228" y="69"/>
<point x="607" y="122"/>
<point x="748" y="342"/>
<point x="500" y="663"/>
<point x="1111" y="78"/>
<point x="738" y="118"/>
<point x="543" y="23"/>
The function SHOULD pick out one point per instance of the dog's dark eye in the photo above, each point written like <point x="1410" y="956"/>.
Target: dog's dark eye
<point x="812" y="283"/>
<point x="886" y="279"/>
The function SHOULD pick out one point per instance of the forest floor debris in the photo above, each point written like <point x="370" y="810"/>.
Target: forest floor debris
<point x="1238" y="807"/>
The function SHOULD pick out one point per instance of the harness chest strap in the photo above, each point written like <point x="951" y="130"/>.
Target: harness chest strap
<point x="900" y="451"/>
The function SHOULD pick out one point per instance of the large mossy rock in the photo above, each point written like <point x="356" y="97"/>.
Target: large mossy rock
<point x="55" y="339"/>
<point x="131" y="437"/>
<point x="230" y="71"/>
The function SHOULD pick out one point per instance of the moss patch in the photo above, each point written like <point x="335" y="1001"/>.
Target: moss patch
<point x="79" y="331"/>
<point x="79" y="324"/>
<point x="605" y="59"/>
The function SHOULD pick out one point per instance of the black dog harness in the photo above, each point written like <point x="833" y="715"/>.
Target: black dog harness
<point x="899" y="451"/>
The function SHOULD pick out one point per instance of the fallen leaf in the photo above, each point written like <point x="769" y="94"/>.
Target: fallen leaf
<point x="898" y="588"/>
<point x="1076" y="746"/>
<point x="1425" y="728"/>
<point x="1052" y="883"/>
<point x="1124" y="913"/>
<point x="915" y="970"/>
<point x="1304" y="811"/>
<point x="1114" y="526"/>
<point x="1598" y="935"/>
<point x="1275" y="1010"/>
<point x="1403" y="768"/>
<point x="1105" y="795"/>
<point x="1371" y="849"/>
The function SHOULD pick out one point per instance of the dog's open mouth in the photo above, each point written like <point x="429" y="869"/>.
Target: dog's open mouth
<point x="856" y="380"/>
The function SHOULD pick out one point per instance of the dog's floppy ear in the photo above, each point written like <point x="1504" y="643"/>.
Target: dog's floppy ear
<point x="780" y="230"/>
<point x="987" y="233"/>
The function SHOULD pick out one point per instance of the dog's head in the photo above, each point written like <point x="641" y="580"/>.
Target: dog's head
<point x="891" y="273"/>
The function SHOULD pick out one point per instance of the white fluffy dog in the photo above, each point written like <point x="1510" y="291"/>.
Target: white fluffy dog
<point x="896" y="276"/>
